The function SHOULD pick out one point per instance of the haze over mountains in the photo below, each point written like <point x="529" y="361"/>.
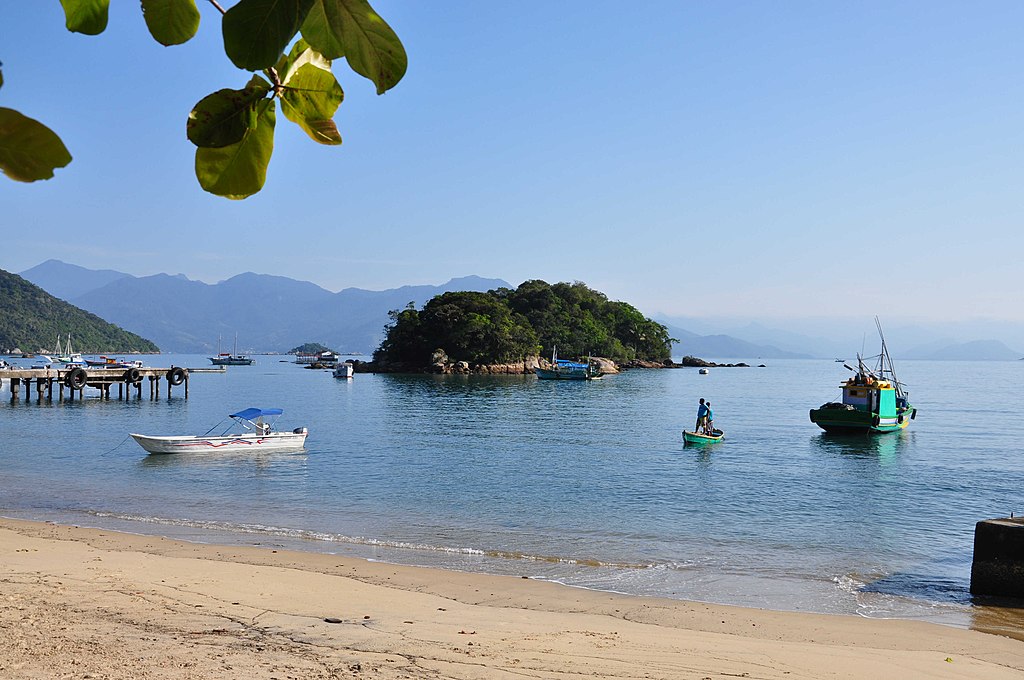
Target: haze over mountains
<point x="275" y="313"/>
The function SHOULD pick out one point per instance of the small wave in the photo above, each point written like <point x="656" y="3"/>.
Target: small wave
<point x="325" y="537"/>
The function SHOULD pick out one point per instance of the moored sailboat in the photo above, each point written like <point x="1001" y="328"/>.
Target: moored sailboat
<point x="232" y="359"/>
<point x="563" y="369"/>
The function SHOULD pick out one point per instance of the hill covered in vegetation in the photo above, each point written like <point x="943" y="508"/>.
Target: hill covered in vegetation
<point x="506" y="325"/>
<point x="31" y="319"/>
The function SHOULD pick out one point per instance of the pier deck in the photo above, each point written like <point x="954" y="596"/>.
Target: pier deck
<point x="76" y="379"/>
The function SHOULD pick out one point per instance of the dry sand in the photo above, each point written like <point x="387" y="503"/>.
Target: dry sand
<point x="86" y="603"/>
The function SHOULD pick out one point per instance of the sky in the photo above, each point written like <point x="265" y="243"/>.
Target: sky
<point x="699" y="159"/>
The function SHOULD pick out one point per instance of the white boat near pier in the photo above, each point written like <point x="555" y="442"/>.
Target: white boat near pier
<point x="251" y="433"/>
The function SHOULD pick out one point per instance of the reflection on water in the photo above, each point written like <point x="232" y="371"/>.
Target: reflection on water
<point x="881" y="447"/>
<point x="265" y="461"/>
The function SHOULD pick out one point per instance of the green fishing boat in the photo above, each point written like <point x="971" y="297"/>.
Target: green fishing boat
<point x="698" y="438"/>
<point x="873" y="400"/>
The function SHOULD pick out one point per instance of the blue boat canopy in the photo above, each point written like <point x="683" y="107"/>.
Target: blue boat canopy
<point x="253" y="413"/>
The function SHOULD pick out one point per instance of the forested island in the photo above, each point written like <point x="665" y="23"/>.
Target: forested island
<point x="31" y="320"/>
<point x="506" y="326"/>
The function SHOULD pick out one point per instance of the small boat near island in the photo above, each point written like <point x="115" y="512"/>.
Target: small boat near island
<point x="873" y="400"/>
<point x="248" y="431"/>
<point x="700" y="438"/>
<point x="344" y="370"/>
<point x="563" y="369"/>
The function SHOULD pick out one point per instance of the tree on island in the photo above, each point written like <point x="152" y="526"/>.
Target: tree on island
<point x="234" y="128"/>
<point x="310" y="348"/>
<point x="506" y="326"/>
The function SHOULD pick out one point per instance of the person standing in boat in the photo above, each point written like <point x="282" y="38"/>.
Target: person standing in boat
<point x="709" y="422"/>
<point x="702" y="416"/>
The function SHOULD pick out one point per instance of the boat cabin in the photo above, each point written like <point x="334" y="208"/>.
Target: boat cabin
<point x="871" y="395"/>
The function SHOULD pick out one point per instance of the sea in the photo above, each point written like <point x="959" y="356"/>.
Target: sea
<point x="588" y="484"/>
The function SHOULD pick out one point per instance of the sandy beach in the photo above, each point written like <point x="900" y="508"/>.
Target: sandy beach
<point x="88" y="603"/>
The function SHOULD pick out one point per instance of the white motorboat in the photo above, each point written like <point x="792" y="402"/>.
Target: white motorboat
<point x="344" y="370"/>
<point x="251" y="433"/>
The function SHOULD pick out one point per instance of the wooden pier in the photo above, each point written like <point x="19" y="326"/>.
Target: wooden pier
<point x="76" y="379"/>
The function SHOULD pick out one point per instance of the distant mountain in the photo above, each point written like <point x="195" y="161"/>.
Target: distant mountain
<point x="979" y="350"/>
<point x="32" y="320"/>
<point x="68" y="281"/>
<point x="724" y="347"/>
<point x="845" y="337"/>
<point x="268" y="313"/>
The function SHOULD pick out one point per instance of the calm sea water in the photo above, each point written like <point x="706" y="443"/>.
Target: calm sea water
<point x="583" y="483"/>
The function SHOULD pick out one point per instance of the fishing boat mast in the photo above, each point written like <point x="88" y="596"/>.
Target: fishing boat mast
<point x="886" y="359"/>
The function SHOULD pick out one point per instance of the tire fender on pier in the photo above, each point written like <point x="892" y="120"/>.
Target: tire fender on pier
<point x="75" y="379"/>
<point x="176" y="375"/>
<point x="132" y="376"/>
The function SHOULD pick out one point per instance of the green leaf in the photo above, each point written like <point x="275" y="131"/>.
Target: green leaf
<point x="351" y="29"/>
<point x="300" y="54"/>
<point x="310" y="100"/>
<point x="223" y="118"/>
<point x="171" y="22"/>
<point x="29" y="151"/>
<point x="86" y="16"/>
<point x="256" y="32"/>
<point x="239" y="170"/>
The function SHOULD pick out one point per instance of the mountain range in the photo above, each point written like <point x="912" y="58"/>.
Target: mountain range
<point x="275" y="313"/>
<point x="268" y="313"/>
<point x="33" y="320"/>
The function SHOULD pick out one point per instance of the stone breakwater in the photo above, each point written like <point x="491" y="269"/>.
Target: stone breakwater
<point x="694" y="362"/>
<point x="441" y="364"/>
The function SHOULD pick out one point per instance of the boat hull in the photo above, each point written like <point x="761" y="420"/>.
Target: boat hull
<point x="843" y="421"/>
<point x="278" y="442"/>
<point x="698" y="438"/>
<point x="564" y="374"/>
<point x="231" y="361"/>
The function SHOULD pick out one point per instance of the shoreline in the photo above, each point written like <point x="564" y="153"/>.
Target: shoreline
<point x="78" y="601"/>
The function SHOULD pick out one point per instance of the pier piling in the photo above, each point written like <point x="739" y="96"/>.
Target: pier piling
<point x="100" y="378"/>
<point x="998" y="566"/>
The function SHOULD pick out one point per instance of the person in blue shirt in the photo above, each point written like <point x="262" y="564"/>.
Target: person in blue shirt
<point x="709" y="421"/>
<point x="702" y="415"/>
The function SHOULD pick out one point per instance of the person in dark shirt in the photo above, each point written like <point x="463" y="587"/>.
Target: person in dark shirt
<point x="702" y="415"/>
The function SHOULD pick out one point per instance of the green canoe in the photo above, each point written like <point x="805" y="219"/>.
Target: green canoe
<point x="697" y="438"/>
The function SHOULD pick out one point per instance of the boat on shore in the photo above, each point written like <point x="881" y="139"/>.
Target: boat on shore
<point x="873" y="400"/>
<point x="248" y="431"/>
<point x="563" y="369"/>
<point x="700" y="438"/>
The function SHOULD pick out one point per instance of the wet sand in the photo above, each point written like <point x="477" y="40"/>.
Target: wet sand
<point x="87" y="603"/>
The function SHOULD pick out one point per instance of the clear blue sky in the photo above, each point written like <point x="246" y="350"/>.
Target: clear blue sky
<point x="692" y="158"/>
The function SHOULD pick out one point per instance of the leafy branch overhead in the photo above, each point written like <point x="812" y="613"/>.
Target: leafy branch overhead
<point x="234" y="128"/>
